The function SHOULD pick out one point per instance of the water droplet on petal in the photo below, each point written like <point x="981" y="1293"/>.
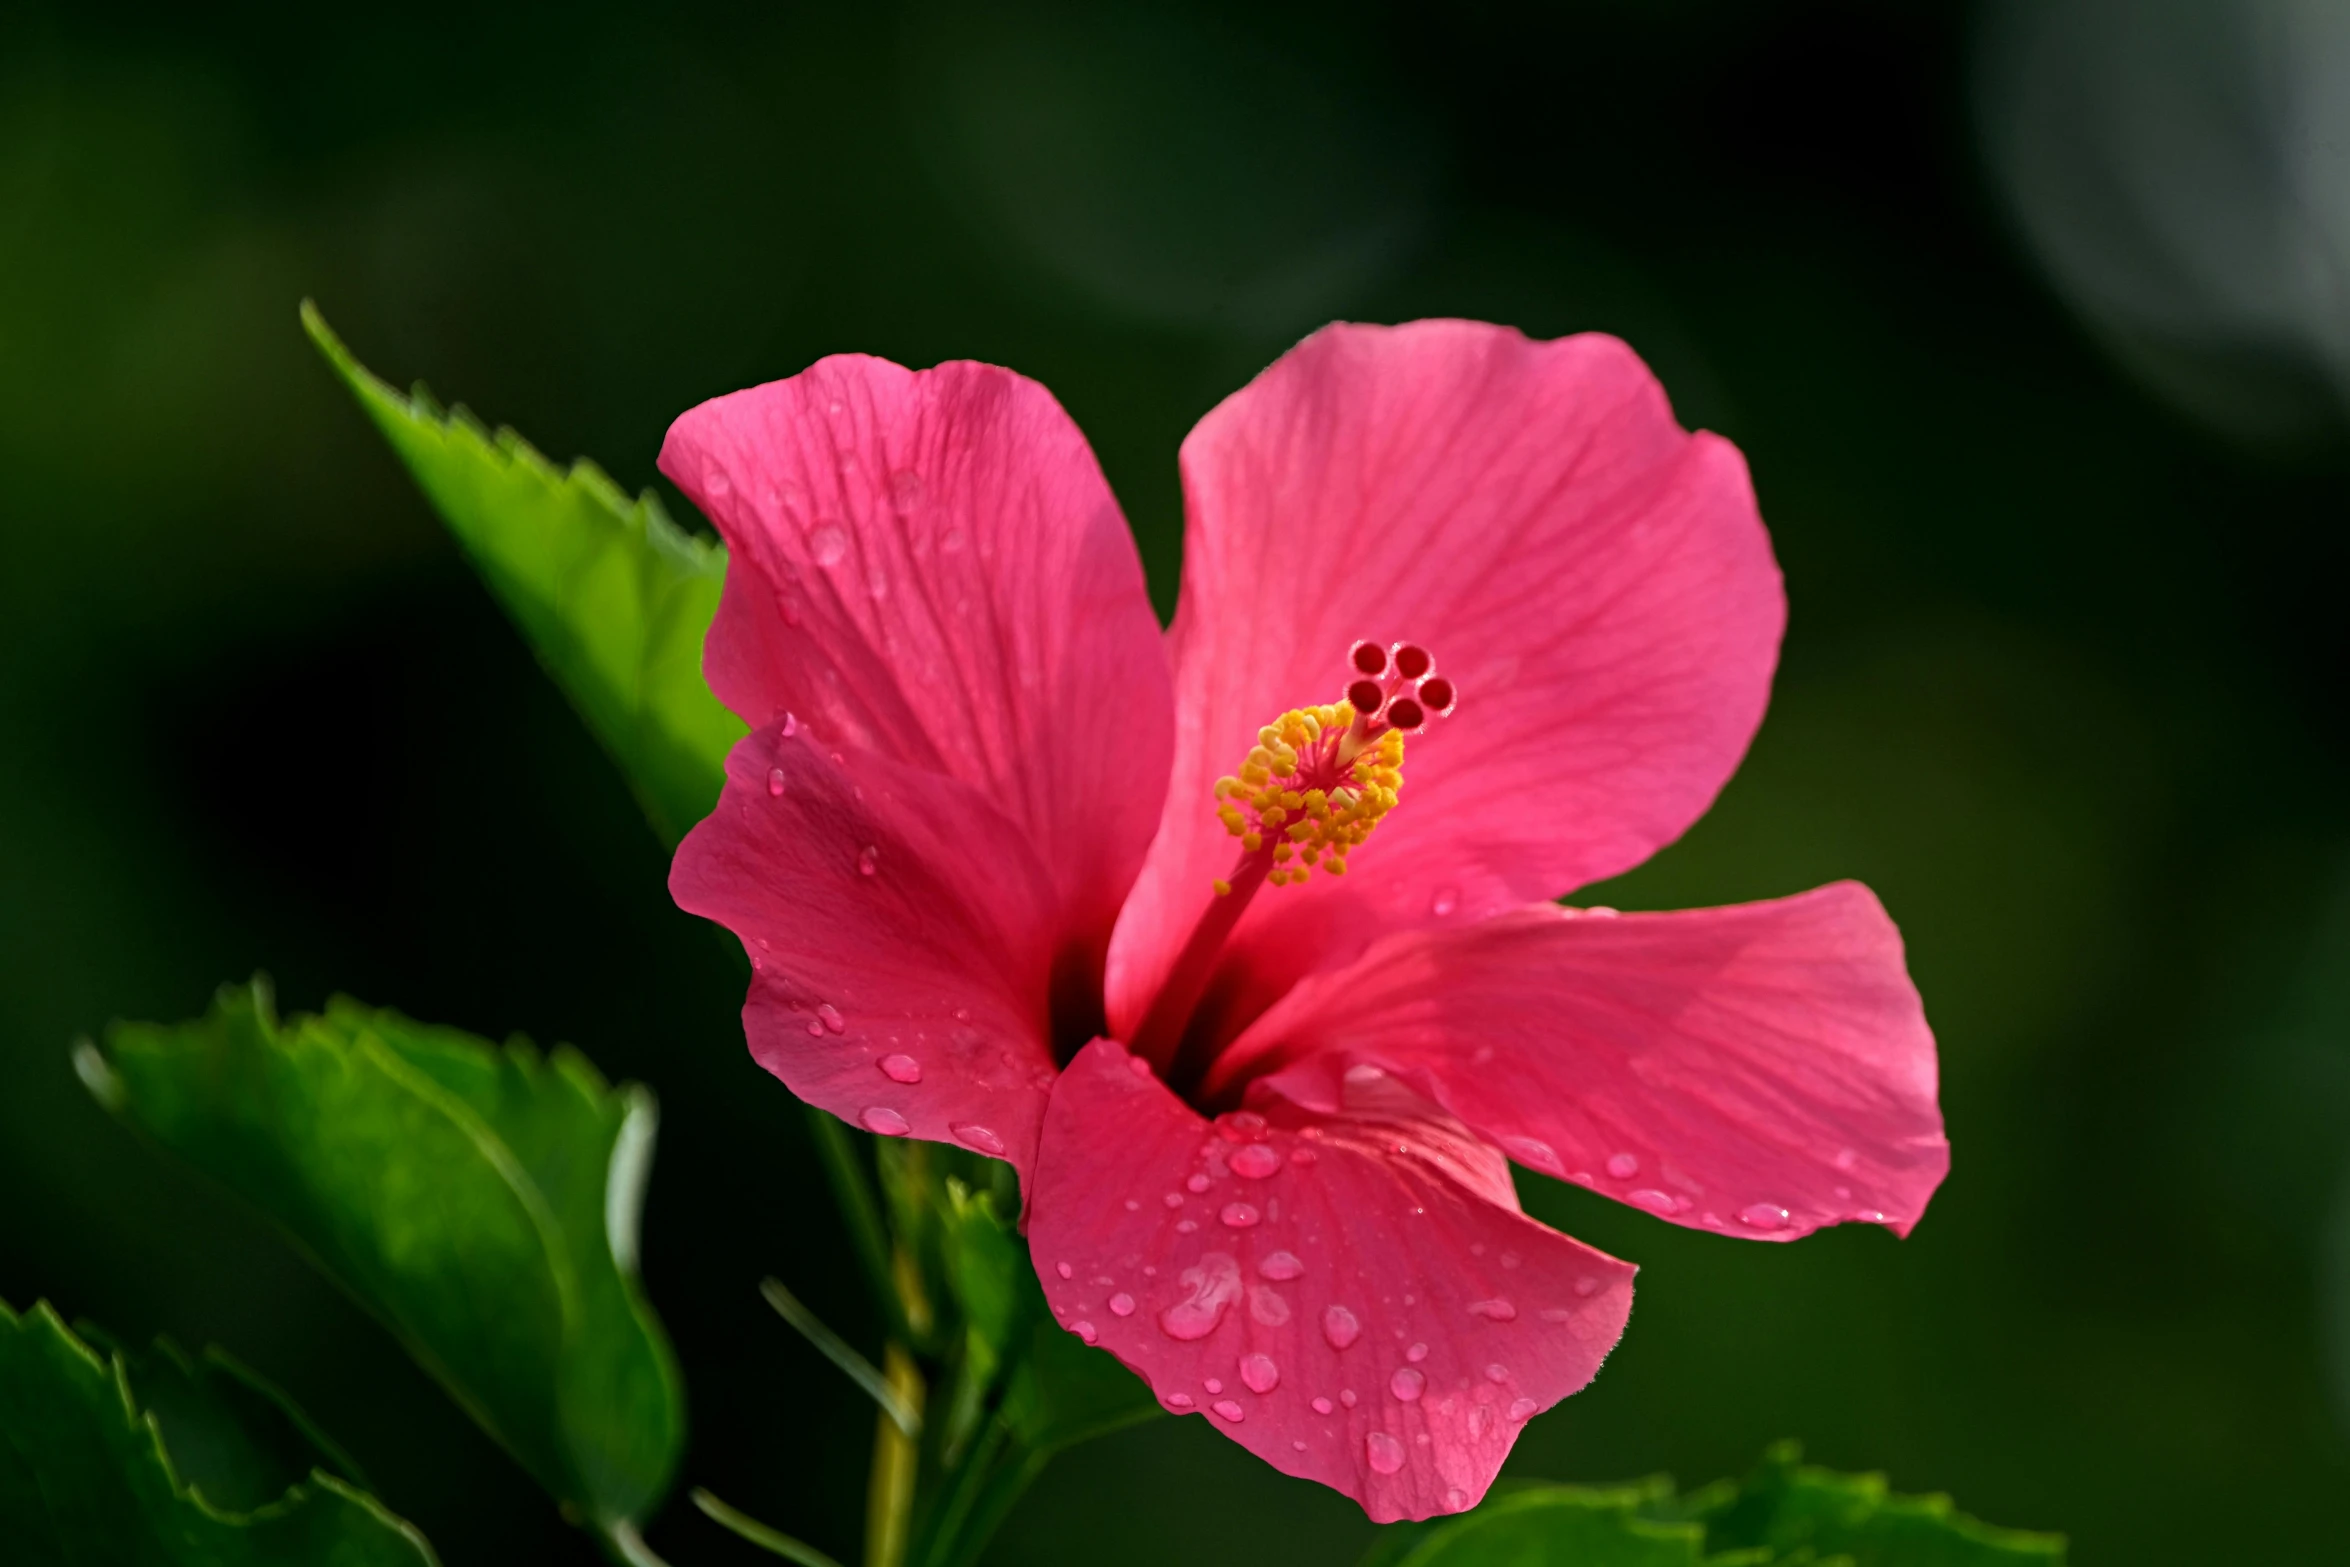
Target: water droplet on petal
<point x="1281" y="1267"/>
<point x="1340" y="1327"/>
<point x="1407" y="1383"/>
<point x="1230" y="1409"/>
<point x="1121" y="1305"/>
<point x="1653" y="1200"/>
<point x="901" y="1069"/>
<point x="1445" y="900"/>
<point x="1138" y="1066"/>
<point x="1297" y="1445"/>
<point x="976" y="1137"/>
<point x="716" y="482"/>
<point x="1085" y="1331"/>
<point x="1259" y="1372"/>
<point x="868" y="860"/>
<point x="1418" y="1352"/>
<point x="1384" y="1452"/>
<point x="1215" y="1385"/>
<point x="1494" y="1310"/>
<point x="1480" y="1416"/>
<point x="1456" y="1500"/>
<point x="1196" y="1183"/>
<point x="1523" y="1410"/>
<point x="1186" y="1226"/>
<point x="827" y="545"/>
<point x="1322" y="1406"/>
<point x="829" y="1015"/>
<point x="1763" y="1216"/>
<point x="1173" y="1199"/>
<point x="882" y="1119"/>
<point x="1846" y="1159"/>
<point x="1240" y="1215"/>
<point x="1533" y="1153"/>
<point x="1497" y="1372"/>
<point x="1064" y="1270"/>
<point x="1213" y="1285"/>
<point x="1302" y="1155"/>
<point x="1178" y="1400"/>
<point x="1587" y="1285"/>
<point x="1255" y="1160"/>
<point x="1346" y="1396"/>
<point x="775" y="782"/>
<point x="1267" y="1306"/>
<point x="1622" y="1166"/>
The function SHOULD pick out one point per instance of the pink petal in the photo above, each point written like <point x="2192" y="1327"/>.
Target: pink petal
<point x="1364" y="1287"/>
<point x="900" y="937"/>
<point x="1595" y="580"/>
<point x="928" y="566"/>
<point x="1760" y="1070"/>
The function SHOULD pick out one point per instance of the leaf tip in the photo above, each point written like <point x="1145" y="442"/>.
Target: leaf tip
<point x="97" y="1074"/>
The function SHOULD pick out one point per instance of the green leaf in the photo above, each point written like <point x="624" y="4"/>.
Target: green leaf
<point x="1800" y="1512"/>
<point x="481" y="1200"/>
<point x="613" y="596"/>
<point x="1786" y="1514"/>
<point x="186" y="1464"/>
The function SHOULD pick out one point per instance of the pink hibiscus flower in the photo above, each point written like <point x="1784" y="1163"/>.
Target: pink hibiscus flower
<point x="1237" y="942"/>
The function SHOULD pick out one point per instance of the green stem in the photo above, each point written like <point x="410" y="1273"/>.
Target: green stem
<point x="889" y="1494"/>
<point x="760" y="1534"/>
<point x="860" y="1209"/>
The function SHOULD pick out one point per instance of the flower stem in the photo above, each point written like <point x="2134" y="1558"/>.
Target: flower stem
<point x="760" y="1534"/>
<point x="889" y="1494"/>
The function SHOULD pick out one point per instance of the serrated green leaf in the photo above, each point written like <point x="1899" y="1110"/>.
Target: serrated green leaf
<point x="480" y="1200"/>
<point x="93" y="1475"/>
<point x="1786" y="1514"/>
<point x="1800" y="1512"/>
<point x="614" y="597"/>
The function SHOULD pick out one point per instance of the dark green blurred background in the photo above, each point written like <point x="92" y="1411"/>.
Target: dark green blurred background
<point x="2062" y="680"/>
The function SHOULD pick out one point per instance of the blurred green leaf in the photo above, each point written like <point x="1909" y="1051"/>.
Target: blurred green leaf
<point x="613" y="596"/>
<point x="1785" y="1514"/>
<point x="1799" y="1512"/>
<point x="482" y="1201"/>
<point x="185" y="1464"/>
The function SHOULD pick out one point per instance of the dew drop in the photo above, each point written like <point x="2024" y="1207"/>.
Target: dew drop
<point x="1255" y="1160"/>
<point x="1215" y="1385"/>
<point x="901" y="1069"/>
<point x="1523" y="1410"/>
<point x="1302" y="1155"/>
<point x="1494" y="1310"/>
<point x="1322" y="1406"/>
<point x="1297" y="1445"/>
<point x="1456" y="1500"/>
<point x="1340" y="1327"/>
<point x="1763" y="1216"/>
<point x="1240" y="1215"/>
<point x="1846" y="1159"/>
<point x="1533" y="1153"/>
<point x="1653" y="1200"/>
<point x="1622" y="1166"/>
<point x="1121" y="1305"/>
<point x="791" y="725"/>
<point x="1267" y="1306"/>
<point x="1186" y="1226"/>
<point x="1197" y="1183"/>
<point x="868" y="860"/>
<point x="1178" y="1400"/>
<point x="1497" y="1372"/>
<point x="1230" y="1409"/>
<point x="775" y="783"/>
<point x="882" y="1119"/>
<point x="976" y="1137"/>
<point x="1213" y="1285"/>
<point x="1281" y="1267"/>
<point x="1064" y="1270"/>
<point x="716" y="482"/>
<point x="1259" y="1372"/>
<point x="1844" y="1194"/>
<point x="1480" y="1416"/>
<point x="1418" y="1352"/>
<point x="1587" y="1285"/>
<point x="1173" y="1199"/>
<point x="827" y="545"/>
<point x="1407" y="1384"/>
<point x="829" y="1016"/>
<point x="1384" y="1452"/>
<point x="1085" y="1331"/>
<point x="816" y="1028"/>
<point x="1444" y="902"/>
<point x="1138" y="1066"/>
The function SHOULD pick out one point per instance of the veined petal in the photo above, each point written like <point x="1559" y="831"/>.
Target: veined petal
<point x="899" y="935"/>
<point x="1760" y="1070"/>
<point x="928" y="567"/>
<point x="1349" y="1292"/>
<point x="1593" y="579"/>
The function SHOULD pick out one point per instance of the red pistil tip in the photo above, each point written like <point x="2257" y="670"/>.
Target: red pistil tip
<point x="1369" y="658"/>
<point x="1411" y="661"/>
<point x="1365" y="697"/>
<point x="1403" y="713"/>
<point x="1437" y="695"/>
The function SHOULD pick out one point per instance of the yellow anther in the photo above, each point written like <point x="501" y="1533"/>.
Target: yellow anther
<point x="1223" y="887"/>
<point x="1252" y="841"/>
<point x="1310" y="791"/>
